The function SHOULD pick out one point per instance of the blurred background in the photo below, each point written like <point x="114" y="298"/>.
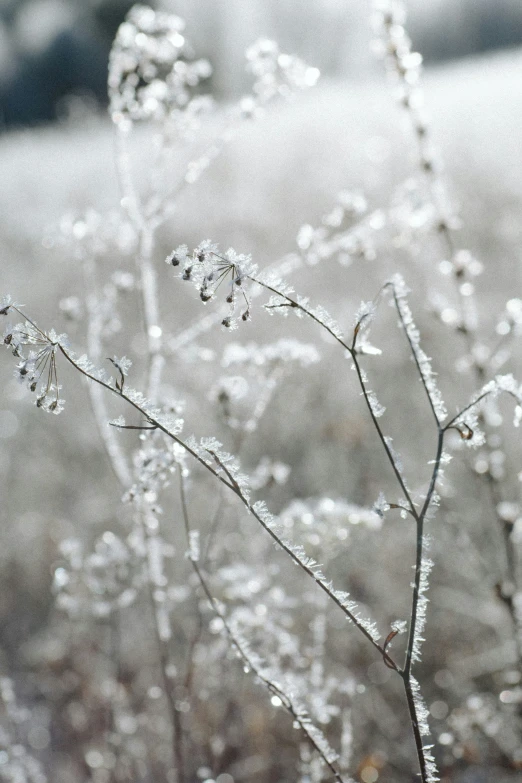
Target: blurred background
<point x="53" y="49"/>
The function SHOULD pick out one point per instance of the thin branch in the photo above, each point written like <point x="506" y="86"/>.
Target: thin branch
<point x="308" y="569"/>
<point x="301" y="719"/>
<point x="353" y="353"/>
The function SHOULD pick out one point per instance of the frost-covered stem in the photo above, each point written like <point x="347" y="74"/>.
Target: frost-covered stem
<point x="385" y="445"/>
<point x="446" y="233"/>
<point x="496" y="497"/>
<point x="422" y="133"/>
<point x="153" y="331"/>
<point x="163" y="656"/>
<point x="303" y="722"/>
<point x="295" y="304"/>
<point x="511" y="555"/>
<point x="112" y="446"/>
<point x="413" y="703"/>
<point x="309" y="570"/>
<point x="414" y="351"/>
<point x="419" y="745"/>
<point x="418" y="559"/>
<point x="146" y="270"/>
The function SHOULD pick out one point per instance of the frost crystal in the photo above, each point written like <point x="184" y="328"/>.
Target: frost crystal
<point x="467" y="421"/>
<point x="119" y="423"/>
<point x="399" y="626"/>
<point x="381" y="505"/>
<point x="422" y="604"/>
<point x="423" y="362"/>
<point x="421" y="710"/>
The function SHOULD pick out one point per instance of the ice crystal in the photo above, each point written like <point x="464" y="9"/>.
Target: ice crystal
<point x="123" y="364"/>
<point x="119" y="423"/>
<point x="421" y="710"/>
<point x="381" y="505"/>
<point x="467" y="421"/>
<point x="422" y="604"/>
<point x="422" y="360"/>
<point x="210" y="452"/>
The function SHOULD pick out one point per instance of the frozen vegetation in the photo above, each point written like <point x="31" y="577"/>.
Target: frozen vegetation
<point x="274" y="534"/>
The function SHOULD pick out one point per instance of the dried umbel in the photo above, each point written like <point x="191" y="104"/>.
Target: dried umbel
<point x="37" y="366"/>
<point x="211" y="271"/>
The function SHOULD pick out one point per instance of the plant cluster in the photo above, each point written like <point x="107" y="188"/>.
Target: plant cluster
<point x="185" y="561"/>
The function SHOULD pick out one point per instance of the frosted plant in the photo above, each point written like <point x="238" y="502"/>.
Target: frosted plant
<point x="37" y="367"/>
<point x="235" y="601"/>
<point x="477" y="423"/>
<point x="209" y="454"/>
<point x="209" y="270"/>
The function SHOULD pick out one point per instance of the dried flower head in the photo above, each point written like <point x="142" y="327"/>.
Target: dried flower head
<point x="37" y="367"/>
<point x="209" y="269"/>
